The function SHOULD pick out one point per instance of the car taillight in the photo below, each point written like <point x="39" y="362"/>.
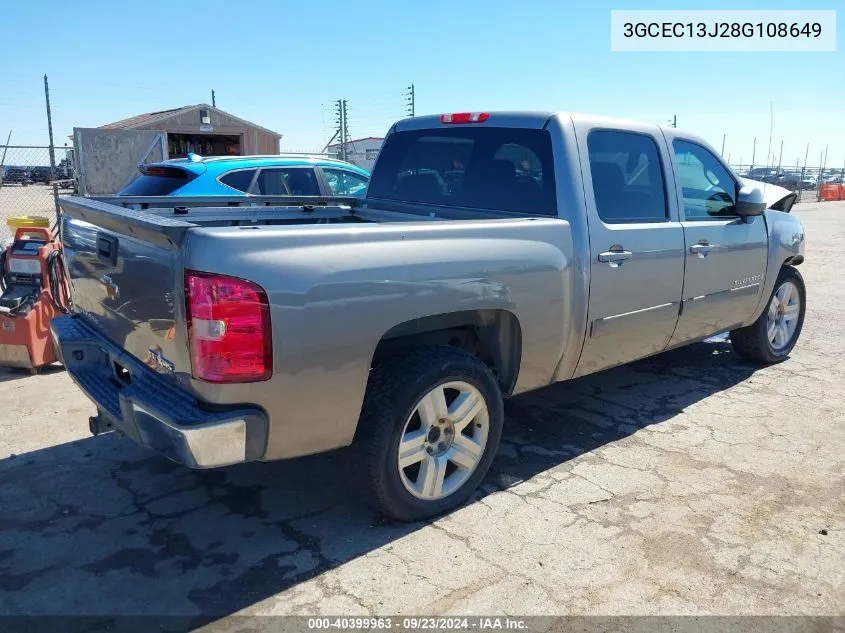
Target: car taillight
<point x="465" y="117"/>
<point x="163" y="172"/>
<point x="228" y="328"/>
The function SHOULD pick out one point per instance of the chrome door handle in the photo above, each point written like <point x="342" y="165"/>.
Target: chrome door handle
<point x="614" y="256"/>
<point x="700" y="249"/>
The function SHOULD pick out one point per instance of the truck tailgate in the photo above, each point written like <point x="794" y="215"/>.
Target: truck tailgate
<point x="128" y="287"/>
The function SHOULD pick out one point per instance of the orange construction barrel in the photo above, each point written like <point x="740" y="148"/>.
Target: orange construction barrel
<point x="831" y="192"/>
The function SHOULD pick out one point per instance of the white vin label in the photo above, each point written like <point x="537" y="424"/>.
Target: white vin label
<point x="723" y="30"/>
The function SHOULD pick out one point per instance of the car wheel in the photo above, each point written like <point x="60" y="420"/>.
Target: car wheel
<point x="772" y="336"/>
<point x="429" y="429"/>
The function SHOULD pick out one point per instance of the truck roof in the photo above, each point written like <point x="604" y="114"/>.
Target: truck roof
<point x="524" y="119"/>
<point x="535" y="120"/>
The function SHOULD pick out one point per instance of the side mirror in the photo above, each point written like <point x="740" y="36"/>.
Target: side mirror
<point x="750" y="201"/>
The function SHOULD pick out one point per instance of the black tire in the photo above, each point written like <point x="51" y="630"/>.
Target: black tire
<point x="752" y="342"/>
<point x="393" y="392"/>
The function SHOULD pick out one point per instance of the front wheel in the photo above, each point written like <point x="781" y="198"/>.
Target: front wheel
<point x="772" y="336"/>
<point x="430" y="427"/>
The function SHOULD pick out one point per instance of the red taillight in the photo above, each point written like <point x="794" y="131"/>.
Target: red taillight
<point x="465" y="117"/>
<point x="228" y="328"/>
<point x="162" y="172"/>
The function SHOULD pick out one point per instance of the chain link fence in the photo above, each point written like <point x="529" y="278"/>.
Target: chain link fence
<point x="27" y="182"/>
<point x="806" y="181"/>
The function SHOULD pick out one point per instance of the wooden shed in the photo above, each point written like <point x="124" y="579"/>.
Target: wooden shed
<point x="205" y="130"/>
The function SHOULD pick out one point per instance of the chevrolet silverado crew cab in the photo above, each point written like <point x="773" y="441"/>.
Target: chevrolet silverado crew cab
<point x="493" y="254"/>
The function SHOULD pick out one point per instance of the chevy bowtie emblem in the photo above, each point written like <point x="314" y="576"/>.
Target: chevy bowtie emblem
<point x="156" y="360"/>
<point x="112" y="290"/>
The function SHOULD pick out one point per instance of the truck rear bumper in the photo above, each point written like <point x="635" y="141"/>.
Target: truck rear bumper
<point x="149" y="408"/>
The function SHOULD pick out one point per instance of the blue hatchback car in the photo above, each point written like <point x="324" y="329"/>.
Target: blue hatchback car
<point x="249" y="175"/>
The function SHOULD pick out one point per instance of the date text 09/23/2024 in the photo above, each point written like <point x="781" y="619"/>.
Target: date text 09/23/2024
<point x="418" y="623"/>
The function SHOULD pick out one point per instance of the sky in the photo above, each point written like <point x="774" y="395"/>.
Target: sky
<point x="281" y="64"/>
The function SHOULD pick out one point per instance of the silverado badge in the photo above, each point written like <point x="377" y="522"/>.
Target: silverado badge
<point x="747" y="281"/>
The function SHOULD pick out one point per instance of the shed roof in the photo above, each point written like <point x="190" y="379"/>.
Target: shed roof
<point x="153" y="117"/>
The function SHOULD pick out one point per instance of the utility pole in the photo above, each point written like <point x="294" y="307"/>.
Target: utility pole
<point x="804" y="168"/>
<point x="5" y="148"/>
<point x="213" y="100"/>
<point x="52" y="149"/>
<point x="410" y="100"/>
<point x="771" y="126"/>
<point x="674" y="121"/>
<point x="338" y="108"/>
<point x="342" y="131"/>
<point x="345" y="123"/>
<point x="345" y="132"/>
<point x="723" y="145"/>
<point x="753" y="153"/>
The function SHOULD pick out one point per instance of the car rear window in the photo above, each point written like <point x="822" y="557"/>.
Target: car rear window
<point x="502" y="169"/>
<point x="158" y="181"/>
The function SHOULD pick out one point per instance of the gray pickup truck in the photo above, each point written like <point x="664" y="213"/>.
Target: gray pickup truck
<point x="494" y="253"/>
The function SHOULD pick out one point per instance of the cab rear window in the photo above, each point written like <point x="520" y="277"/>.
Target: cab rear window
<point x="502" y="169"/>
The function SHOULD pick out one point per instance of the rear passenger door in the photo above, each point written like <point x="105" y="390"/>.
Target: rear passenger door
<point x="636" y="245"/>
<point x="286" y="181"/>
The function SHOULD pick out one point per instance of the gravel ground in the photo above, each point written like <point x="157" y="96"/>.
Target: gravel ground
<point x="34" y="199"/>
<point x="688" y="483"/>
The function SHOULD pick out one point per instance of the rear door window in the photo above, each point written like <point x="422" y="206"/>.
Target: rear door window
<point x="502" y="169"/>
<point x="240" y="180"/>
<point x="627" y="177"/>
<point x="287" y="181"/>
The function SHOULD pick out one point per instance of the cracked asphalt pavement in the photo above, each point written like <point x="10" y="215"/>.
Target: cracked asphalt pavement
<point x="688" y="483"/>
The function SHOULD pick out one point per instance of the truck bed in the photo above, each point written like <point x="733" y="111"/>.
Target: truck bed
<point x="165" y="220"/>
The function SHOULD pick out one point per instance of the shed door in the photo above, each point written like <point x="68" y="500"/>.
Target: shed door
<point x="107" y="160"/>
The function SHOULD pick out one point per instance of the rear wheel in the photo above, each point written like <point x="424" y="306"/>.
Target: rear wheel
<point x="772" y="336"/>
<point x="430" y="427"/>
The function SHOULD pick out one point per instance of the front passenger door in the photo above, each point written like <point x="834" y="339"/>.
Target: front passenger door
<point x="725" y="254"/>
